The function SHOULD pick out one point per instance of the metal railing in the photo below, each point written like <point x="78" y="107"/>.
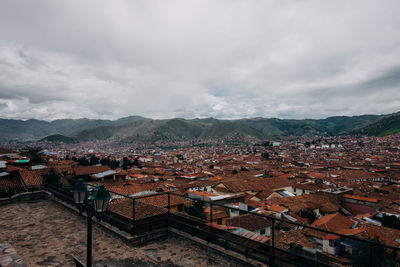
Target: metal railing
<point x="9" y="192"/>
<point x="267" y="252"/>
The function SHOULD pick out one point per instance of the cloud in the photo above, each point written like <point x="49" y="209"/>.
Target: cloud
<point x="225" y="59"/>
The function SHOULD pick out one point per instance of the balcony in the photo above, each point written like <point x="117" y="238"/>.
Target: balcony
<point x="249" y="237"/>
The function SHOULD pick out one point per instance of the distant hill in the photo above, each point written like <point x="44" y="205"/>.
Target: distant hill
<point x="58" y="138"/>
<point x="135" y="128"/>
<point x="37" y="129"/>
<point x="383" y="127"/>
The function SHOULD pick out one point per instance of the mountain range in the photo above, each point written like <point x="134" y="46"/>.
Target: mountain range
<point x="136" y="128"/>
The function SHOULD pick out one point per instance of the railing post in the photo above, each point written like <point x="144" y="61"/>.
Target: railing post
<point x="273" y="242"/>
<point x="89" y="240"/>
<point x="211" y="219"/>
<point x="211" y="215"/>
<point x="133" y="217"/>
<point x="371" y="257"/>
<point x="169" y="208"/>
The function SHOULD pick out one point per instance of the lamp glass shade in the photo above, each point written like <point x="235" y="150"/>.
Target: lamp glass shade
<point x="79" y="197"/>
<point x="100" y="205"/>
<point x="79" y="191"/>
<point x="101" y="197"/>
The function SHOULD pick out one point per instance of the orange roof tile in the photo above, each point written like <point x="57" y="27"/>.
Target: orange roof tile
<point x="333" y="222"/>
<point x="374" y="200"/>
<point x="276" y="208"/>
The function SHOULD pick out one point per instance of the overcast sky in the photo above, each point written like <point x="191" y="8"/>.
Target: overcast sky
<point x="225" y="59"/>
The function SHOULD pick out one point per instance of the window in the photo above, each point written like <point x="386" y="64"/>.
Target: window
<point x="262" y="232"/>
<point x="180" y="207"/>
<point x="304" y="191"/>
<point x="332" y="243"/>
<point x="294" y="189"/>
<point x="219" y="221"/>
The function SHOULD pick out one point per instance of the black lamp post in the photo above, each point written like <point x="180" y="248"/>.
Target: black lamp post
<point x="94" y="205"/>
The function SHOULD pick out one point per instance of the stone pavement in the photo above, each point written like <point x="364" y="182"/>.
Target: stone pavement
<point x="45" y="234"/>
<point x="9" y="257"/>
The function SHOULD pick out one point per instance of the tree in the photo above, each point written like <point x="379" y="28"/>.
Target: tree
<point x="52" y="178"/>
<point x="309" y="214"/>
<point x="266" y="143"/>
<point x="196" y="209"/>
<point x="33" y="153"/>
<point x="361" y="255"/>
<point x="296" y="248"/>
<point x="137" y="163"/>
<point x="113" y="164"/>
<point x="265" y="155"/>
<point x="105" y="161"/>
<point x="93" y="160"/>
<point x="83" y="161"/>
<point x="125" y="163"/>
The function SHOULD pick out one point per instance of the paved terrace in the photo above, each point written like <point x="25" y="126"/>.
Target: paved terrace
<point x="45" y="234"/>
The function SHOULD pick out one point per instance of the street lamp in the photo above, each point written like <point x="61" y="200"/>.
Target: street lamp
<point x="79" y="191"/>
<point x="94" y="205"/>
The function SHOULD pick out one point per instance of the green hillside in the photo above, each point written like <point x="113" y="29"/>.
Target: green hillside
<point x="383" y="127"/>
<point x="58" y="138"/>
<point x="136" y="128"/>
<point x="226" y="128"/>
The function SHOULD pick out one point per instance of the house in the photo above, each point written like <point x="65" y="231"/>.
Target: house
<point x="330" y="244"/>
<point x="108" y="174"/>
<point x="335" y="222"/>
<point x="277" y="210"/>
<point x="295" y="240"/>
<point x="219" y="216"/>
<point x="358" y="204"/>
<point x="176" y="203"/>
<point x="84" y="172"/>
<point x="251" y="222"/>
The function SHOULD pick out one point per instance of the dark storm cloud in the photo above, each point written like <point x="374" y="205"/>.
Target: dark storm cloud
<point x="226" y="59"/>
<point x="389" y="79"/>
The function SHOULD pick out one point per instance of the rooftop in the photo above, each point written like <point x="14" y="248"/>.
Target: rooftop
<point x="43" y="233"/>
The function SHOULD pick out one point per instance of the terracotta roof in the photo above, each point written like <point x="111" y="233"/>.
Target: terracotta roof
<point x="32" y="178"/>
<point x="361" y="198"/>
<point x="253" y="184"/>
<point x="388" y="236"/>
<point x="333" y="222"/>
<point x="88" y="170"/>
<point x="216" y="214"/>
<point x="162" y="200"/>
<point x="312" y="201"/>
<point x="331" y="237"/>
<point x="264" y="194"/>
<point x="284" y="239"/>
<point x="123" y="207"/>
<point x="10" y="181"/>
<point x="249" y="222"/>
<point x="276" y="208"/>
